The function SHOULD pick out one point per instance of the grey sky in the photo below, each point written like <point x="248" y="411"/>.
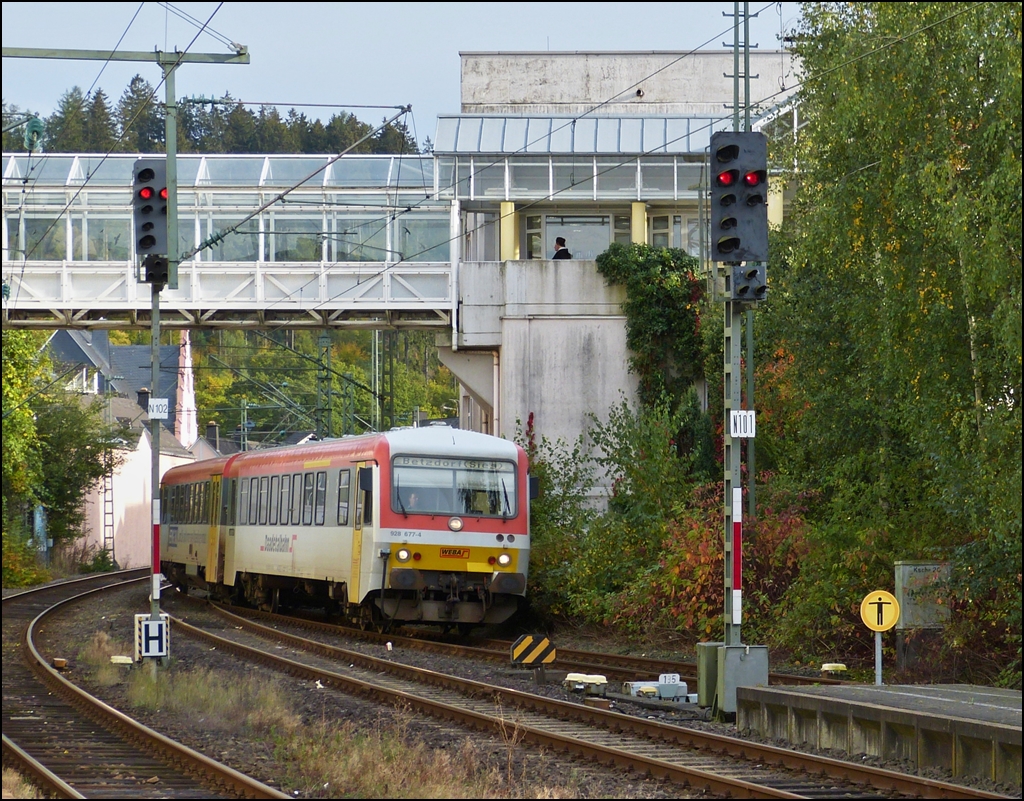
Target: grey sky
<point x="388" y="54"/>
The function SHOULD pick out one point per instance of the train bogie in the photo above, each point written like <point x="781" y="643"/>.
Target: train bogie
<point x="414" y="525"/>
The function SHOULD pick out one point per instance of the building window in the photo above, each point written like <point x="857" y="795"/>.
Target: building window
<point x="535" y="237"/>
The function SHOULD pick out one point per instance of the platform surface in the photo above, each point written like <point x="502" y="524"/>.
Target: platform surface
<point x="967" y="702"/>
<point x="968" y="730"/>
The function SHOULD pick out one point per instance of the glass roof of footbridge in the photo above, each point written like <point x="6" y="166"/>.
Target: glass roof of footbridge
<point x="200" y="171"/>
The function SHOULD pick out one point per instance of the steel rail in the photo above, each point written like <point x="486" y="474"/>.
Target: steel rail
<point x="180" y="757"/>
<point x="37" y="773"/>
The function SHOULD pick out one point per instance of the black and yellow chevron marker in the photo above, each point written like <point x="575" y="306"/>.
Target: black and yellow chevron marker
<point x="530" y="650"/>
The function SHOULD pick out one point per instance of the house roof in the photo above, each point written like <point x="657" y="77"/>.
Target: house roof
<point x="125" y="369"/>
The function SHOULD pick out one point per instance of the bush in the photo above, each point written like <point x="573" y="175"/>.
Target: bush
<point x="683" y="591"/>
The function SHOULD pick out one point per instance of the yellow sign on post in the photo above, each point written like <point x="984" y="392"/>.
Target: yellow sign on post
<point x="880" y="610"/>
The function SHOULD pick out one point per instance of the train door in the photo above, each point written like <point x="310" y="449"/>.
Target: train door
<point x="362" y="535"/>
<point x="214" y="551"/>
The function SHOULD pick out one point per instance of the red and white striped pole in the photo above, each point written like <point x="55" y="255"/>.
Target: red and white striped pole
<point x="737" y="555"/>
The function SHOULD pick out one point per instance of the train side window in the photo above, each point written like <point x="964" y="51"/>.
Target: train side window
<point x="227" y="513"/>
<point x="243" y="503"/>
<point x="206" y="502"/>
<point x="320" y="512"/>
<point x="286" y="486"/>
<point x="296" y="499"/>
<point x="307" y="499"/>
<point x="264" y="499"/>
<point x="344" y="492"/>
<point x="272" y="519"/>
<point x="254" y="500"/>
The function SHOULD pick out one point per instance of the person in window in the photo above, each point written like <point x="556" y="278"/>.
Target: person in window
<point x="561" y="251"/>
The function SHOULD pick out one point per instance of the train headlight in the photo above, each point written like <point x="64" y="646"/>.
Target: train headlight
<point x="455" y="523"/>
<point x="403" y="555"/>
<point x="504" y="560"/>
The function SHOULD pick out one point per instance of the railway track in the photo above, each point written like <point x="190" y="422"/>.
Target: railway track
<point x="695" y="759"/>
<point x="72" y="745"/>
<point x="616" y="667"/>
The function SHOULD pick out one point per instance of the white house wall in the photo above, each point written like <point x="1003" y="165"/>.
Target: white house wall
<point x="132" y="506"/>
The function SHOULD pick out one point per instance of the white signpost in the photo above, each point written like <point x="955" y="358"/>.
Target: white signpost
<point x="742" y="424"/>
<point x="158" y="408"/>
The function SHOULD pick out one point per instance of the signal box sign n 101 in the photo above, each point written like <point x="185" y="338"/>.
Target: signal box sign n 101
<point x="879" y="610"/>
<point x="742" y="424"/>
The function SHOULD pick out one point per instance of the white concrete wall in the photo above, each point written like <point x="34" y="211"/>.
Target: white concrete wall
<point x="560" y="335"/>
<point x="546" y="83"/>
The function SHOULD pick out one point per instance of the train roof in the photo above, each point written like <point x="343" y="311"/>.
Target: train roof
<point x="443" y="440"/>
<point x="435" y="440"/>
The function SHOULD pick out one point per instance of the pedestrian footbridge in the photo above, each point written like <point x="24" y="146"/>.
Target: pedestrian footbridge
<point x="64" y="294"/>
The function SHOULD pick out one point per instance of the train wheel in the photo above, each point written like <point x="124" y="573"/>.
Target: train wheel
<point x="271" y="600"/>
<point x="369" y="619"/>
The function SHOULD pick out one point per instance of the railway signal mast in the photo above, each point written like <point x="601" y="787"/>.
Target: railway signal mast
<point x="155" y="213"/>
<point x="738" y="249"/>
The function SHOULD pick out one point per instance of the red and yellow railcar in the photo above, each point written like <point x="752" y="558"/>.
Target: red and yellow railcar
<point x="426" y="525"/>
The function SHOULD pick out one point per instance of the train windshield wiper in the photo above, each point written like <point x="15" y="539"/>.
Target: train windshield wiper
<point x="508" y="507"/>
<point x="398" y="494"/>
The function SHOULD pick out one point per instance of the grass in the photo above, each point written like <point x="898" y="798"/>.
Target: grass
<point x="332" y="761"/>
<point x="253" y="705"/>
<point x="327" y="758"/>
<point x="16" y="787"/>
<point x="96" y="658"/>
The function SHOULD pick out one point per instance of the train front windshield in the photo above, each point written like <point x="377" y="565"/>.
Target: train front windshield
<point x="443" y="486"/>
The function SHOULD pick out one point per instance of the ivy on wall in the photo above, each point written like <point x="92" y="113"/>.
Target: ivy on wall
<point x="663" y="316"/>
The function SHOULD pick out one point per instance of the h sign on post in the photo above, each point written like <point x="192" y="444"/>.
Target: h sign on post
<point x="152" y="637"/>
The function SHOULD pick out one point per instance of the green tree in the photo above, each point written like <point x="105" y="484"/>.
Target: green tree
<point x="100" y="127"/>
<point x="66" y="128"/>
<point x="140" y="119"/>
<point x="75" y="450"/>
<point x="342" y="130"/>
<point x="395" y="138"/>
<point x="897" y="302"/>
<point x="663" y="309"/>
<point x="24" y="368"/>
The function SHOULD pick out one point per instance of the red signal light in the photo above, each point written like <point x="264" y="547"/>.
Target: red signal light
<point x="163" y="193"/>
<point x="727" y="178"/>
<point x="146" y="192"/>
<point x="754" y="177"/>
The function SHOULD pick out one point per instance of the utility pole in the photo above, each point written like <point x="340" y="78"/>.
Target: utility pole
<point x="161" y="268"/>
